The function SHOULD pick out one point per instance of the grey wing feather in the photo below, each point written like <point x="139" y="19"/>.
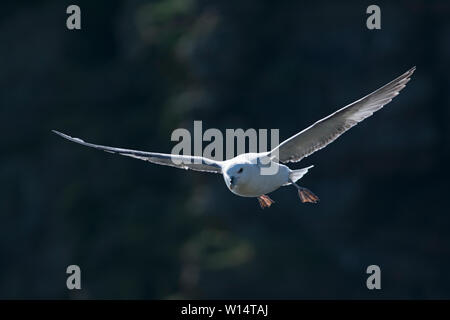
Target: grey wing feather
<point x="179" y="161"/>
<point x="328" y="129"/>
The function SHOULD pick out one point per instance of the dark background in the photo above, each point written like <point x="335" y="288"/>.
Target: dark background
<point x="137" y="70"/>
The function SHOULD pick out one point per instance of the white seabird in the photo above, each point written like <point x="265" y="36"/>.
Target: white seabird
<point x="243" y="173"/>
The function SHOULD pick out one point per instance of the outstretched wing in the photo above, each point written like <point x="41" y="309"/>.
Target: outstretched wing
<point x="179" y="161"/>
<point x="325" y="131"/>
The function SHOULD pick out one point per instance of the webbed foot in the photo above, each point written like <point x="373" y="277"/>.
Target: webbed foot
<point x="307" y="196"/>
<point x="265" y="201"/>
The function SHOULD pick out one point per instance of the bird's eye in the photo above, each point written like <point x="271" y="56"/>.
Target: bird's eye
<point x="240" y="170"/>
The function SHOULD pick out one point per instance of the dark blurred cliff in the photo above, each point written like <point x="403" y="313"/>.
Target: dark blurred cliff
<point x="140" y="69"/>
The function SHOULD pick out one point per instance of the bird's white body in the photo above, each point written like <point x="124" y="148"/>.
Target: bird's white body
<point x="244" y="175"/>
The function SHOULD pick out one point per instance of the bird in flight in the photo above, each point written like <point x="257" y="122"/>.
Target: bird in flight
<point x="244" y="175"/>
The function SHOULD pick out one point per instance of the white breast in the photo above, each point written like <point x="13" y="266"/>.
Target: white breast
<point x="260" y="184"/>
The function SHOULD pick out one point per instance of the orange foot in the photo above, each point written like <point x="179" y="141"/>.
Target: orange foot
<point x="265" y="201"/>
<point x="307" y="196"/>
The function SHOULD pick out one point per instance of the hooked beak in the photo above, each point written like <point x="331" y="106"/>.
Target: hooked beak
<point x="232" y="182"/>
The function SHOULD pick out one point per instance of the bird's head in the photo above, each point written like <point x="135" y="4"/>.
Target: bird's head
<point x="238" y="175"/>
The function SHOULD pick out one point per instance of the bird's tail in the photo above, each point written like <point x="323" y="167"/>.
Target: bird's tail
<point x="296" y="175"/>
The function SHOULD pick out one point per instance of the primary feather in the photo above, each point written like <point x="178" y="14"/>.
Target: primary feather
<point x="173" y="160"/>
<point x="328" y="129"/>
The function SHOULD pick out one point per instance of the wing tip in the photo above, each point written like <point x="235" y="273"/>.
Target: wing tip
<point x="60" y="133"/>
<point x="65" y="136"/>
<point x="410" y="72"/>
